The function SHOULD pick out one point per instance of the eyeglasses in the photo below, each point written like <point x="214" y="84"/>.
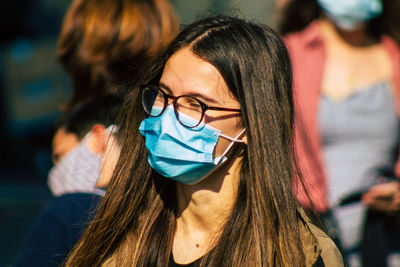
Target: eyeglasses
<point x="155" y="101"/>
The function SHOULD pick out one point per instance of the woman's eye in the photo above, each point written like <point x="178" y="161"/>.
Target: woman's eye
<point x="194" y="104"/>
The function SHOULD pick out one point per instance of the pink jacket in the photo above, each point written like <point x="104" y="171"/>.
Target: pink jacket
<point x="307" y="52"/>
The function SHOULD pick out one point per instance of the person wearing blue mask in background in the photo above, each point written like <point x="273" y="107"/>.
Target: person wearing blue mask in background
<point x="204" y="176"/>
<point x="346" y="68"/>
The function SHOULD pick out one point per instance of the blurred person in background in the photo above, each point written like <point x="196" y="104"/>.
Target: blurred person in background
<point x="79" y="142"/>
<point x="103" y="43"/>
<point x="86" y="147"/>
<point x="106" y="42"/>
<point x="346" y="68"/>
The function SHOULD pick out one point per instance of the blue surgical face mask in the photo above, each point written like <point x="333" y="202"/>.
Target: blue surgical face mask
<point x="348" y="14"/>
<point x="180" y="153"/>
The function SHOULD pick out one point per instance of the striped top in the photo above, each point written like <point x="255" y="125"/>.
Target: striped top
<point x="360" y="139"/>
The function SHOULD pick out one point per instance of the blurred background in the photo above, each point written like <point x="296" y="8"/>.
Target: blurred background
<point x="32" y="86"/>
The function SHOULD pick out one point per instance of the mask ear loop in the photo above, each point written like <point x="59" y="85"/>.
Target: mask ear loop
<point x="112" y="129"/>
<point x="235" y="139"/>
<point x="222" y="158"/>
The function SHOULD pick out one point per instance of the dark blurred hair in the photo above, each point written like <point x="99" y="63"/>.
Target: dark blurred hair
<point x="297" y="14"/>
<point x="105" y="42"/>
<point x="80" y="119"/>
<point x="136" y="221"/>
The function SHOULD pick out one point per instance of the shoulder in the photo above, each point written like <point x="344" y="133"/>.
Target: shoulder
<point x="330" y="254"/>
<point x="292" y="38"/>
<point x="71" y="207"/>
<point x="390" y="44"/>
<point x="317" y="245"/>
<point x="307" y="39"/>
<point x="73" y="200"/>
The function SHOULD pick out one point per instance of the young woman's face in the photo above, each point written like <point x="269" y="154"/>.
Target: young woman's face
<point x="187" y="74"/>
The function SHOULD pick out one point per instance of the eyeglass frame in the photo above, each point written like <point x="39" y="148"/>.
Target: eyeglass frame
<point x="204" y="106"/>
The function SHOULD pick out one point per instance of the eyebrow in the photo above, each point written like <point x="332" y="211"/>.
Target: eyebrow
<point x="197" y="95"/>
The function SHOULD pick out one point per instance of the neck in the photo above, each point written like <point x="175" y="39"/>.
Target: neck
<point x="204" y="207"/>
<point x="358" y="37"/>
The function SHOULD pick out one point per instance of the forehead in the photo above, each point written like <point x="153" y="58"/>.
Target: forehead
<point x="187" y="74"/>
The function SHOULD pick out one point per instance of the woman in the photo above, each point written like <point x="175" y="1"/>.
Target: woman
<point x="346" y="69"/>
<point x="204" y="176"/>
<point x="106" y="42"/>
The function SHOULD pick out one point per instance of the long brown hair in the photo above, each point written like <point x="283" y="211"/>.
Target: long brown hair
<point x="297" y="14"/>
<point x="136" y="221"/>
<point x="105" y="42"/>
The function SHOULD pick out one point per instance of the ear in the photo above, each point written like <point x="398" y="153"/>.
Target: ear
<point x="97" y="139"/>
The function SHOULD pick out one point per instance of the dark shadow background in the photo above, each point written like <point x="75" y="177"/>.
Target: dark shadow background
<point x="32" y="88"/>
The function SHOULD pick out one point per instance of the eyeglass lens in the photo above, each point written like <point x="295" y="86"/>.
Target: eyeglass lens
<point x="153" y="101"/>
<point x="188" y="109"/>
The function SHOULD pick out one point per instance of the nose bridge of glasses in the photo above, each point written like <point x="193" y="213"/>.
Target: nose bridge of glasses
<point x="169" y="99"/>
